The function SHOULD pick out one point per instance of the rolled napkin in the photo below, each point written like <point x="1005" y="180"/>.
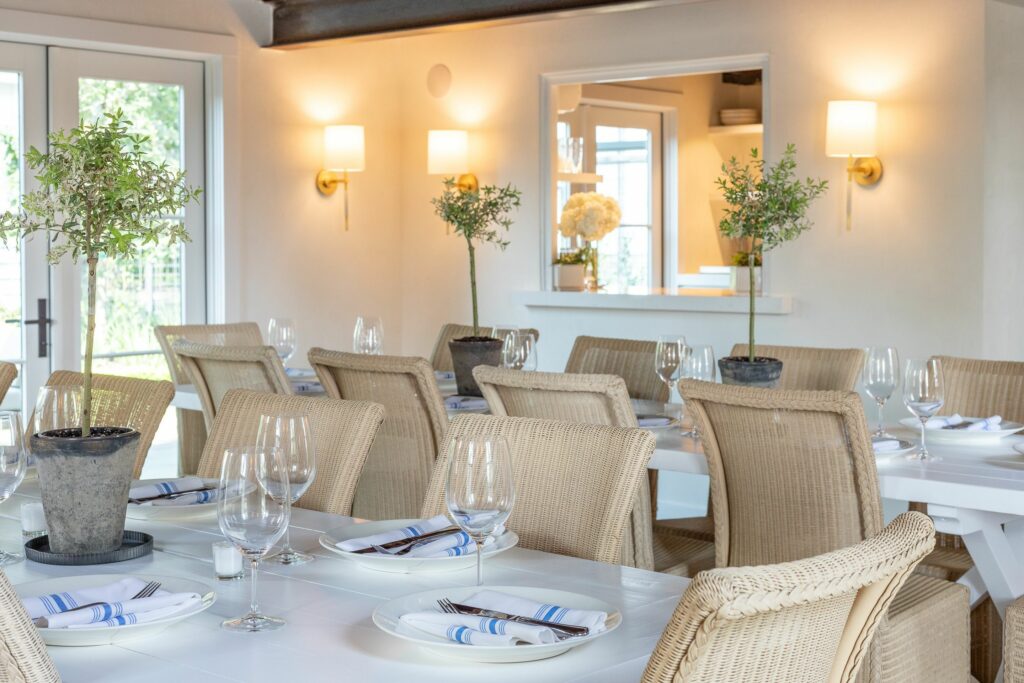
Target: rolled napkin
<point x="455" y="632"/>
<point x="653" y="420"/>
<point x="425" y="526"/>
<point x="166" y="486"/>
<point x="307" y="387"/>
<point x="939" y="422"/>
<point x="988" y="424"/>
<point x="444" y="375"/>
<point x="432" y="621"/>
<point x="55" y="603"/>
<point x="523" y="607"/>
<point x="193" y="498"/>
<point x="465" y="403"/>
<point x="885" y="445"/>
<point x="128" y="612"/>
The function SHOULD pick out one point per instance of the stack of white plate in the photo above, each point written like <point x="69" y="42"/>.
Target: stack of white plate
<point x="738" y="117"/>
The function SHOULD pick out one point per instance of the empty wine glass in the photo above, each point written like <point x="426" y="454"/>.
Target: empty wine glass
<point x="513" y="350"/>
<point x="13" y="461"/>
<point x="253" y="519"/>
<point x="668" y="359"/>
<point x="368" y="335"/>
<point x="291" y="434"/>
<point x="480" y="491"/>
<point x="281" y="334"/>
<point x="57" y="407"/>
<point x="923" y="396"/>
<point x="530" y="349"/>
<point x="881" y="377"/>
<point x="699" y="364"/>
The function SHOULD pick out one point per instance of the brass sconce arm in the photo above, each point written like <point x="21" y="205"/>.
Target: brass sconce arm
<point x="327" y="182"/>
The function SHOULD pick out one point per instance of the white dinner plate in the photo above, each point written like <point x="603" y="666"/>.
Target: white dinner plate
<point x="387" y="617"/>
<point x="80" y="637"/>
<point x="169" y="512"/>
<point x="963" y="436"/>
<point x="402" y="564"/>
<point x="905" y="447"/>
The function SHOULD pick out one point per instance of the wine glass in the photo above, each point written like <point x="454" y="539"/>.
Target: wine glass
<point x="881" y="377"/>
<point x="368" y="335"/>
<point x="253" y="519"/>
<point x="57" y="407"/>
<point x="513" y="350"/>
<point x="281" y="334"/>
<point x="530" y="350"/>
<point x="668" y="361"/>
<point x="699" y="364"/>
<point x="13" y="461"/>
<point x="480" y="491"/>
<point x="291" y="434"/>
<point x="923" y="396"/>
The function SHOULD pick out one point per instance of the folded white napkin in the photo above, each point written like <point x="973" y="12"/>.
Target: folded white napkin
<point x="444" y="375"/>
<point x="431" y="622"/>
<point x="885" y="445"/>
<point x="653" y="420"/>
<point x="513" y="604"/>
<point x="465" y="403"/>
<point x="988" y="424"/>
<point x="300" y="372"/>
<point x="194" y="498"/>
<point x="456" y="632"/>
<point x="166" y="486"/>
<point x="307" y="387"/>
<point x="425" y="526"/>
<point x="128" y="612"/>
<point x="456" y="545"/>
<point x="55" y="603"/>
<point x="939" y="422"/>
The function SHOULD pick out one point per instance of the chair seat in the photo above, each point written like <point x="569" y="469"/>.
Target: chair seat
<point x="700" y="528"/>
<point x="946" y="563"/>
<point x="680" y="555"/>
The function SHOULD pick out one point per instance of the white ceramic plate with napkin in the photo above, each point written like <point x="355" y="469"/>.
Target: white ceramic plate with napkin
<point x="168" y="512"/>
<point x="107" y="635"/>
<point x="656" y="421"/>
<point x="402" y="563"/>
<point x="466" y="404"/>
<point x="965" y="436"/>
<point x="884" y="447"/>
<point x="388" y="618"/>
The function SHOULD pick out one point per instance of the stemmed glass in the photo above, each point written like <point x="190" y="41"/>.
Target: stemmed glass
<point x="699" y="364"/>
<point x="923" y="396"/>
<point x="13" y="461"/>
<point x="530" y="350"/>
<point x="368" y="335"/>
<point x="668" y="359"/>
<point x="480" y="491"/>
<point x="281" y="334"/>
<point x="291" y="434"/>
<point x="57" y="407"/>
<point x="514" y="350"/>
<point x="253" y="519"/>
<point x="881" y="377"/>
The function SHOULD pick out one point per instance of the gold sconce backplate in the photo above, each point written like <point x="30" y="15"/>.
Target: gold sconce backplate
<point x="467" y="182"/>
<point x="866" y="170"/>
<point x="327" y="182"/>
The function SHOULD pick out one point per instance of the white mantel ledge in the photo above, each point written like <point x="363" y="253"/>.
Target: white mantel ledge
<point x="691" y="303"/>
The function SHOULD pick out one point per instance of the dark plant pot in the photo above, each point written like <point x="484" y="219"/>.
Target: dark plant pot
<point x="84" y="484"/>
<point x="763" y="372"/>
<point x="469" y="352"/>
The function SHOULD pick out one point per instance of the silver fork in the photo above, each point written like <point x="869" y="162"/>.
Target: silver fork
<point x="561" y="633"/>
<point x="384" y="550"/>
<point x="147" y="591"/>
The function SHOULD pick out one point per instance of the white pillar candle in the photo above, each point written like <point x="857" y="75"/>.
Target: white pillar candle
<point x="227" y="560"/>
<point x="33" y="520"/>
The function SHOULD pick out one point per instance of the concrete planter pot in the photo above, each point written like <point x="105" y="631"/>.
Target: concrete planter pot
<point x="741" y="279"/>
<point x="763" y="372"/>
<point x="469" y="352"/>
<point x="84" y="484"/>
<point x="568" y="278"/>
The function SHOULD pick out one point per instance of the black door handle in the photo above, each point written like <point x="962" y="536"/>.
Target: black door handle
<point x="44" y="326"/>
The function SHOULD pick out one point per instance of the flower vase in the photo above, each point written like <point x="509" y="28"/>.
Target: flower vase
<point x="590" y="281"/>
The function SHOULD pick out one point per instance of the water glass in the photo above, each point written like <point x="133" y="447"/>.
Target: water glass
<point x="368" y="335"/>
<point x="923" y="396"/>
<point x="253" y="519"/>
<point x="881" y="377"/>
<point x="281" y="335"/>
<point x="480" y="490"/>
<point x="13" y="461"/>
<point x="530" y="350"/>
<point x="514" y="350"/>
<point x="668" y="359"/>
<point x="57" y="407"/>
<point x="698" y="364"/>
<point x="290" y="433"/>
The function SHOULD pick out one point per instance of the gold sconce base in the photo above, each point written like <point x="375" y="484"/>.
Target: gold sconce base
<point x="327" y="182"/>
<point x="467" y="182"/>
<point x="865" y="170"/>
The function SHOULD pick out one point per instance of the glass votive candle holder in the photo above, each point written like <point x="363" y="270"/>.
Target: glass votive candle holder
<point x="33" y="521"/>
<point x="227" y="561"/>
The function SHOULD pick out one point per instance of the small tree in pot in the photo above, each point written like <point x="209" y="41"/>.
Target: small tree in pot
<point x="99" y="196"/>
<point x="477" y="217"/>
<point x="767" y="207"/>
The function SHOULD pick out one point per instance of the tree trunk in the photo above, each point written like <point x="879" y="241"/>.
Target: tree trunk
<point x="472" y="287"/>
<point x="751" y="260"/>
<point x="90" y="333"/>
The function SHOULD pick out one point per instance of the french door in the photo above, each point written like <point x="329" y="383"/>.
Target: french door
<point x="163" y="99"/>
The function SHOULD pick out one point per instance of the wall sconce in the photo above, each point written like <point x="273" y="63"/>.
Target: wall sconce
<point x="448" y="155"/>
<point x="851" y="132"/>
<point x="344" y="151"/>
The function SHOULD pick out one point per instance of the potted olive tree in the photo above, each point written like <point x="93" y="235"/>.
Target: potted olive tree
<point x="767" y="207"/>
<point x="477" y="217"/>
<point x="99" y="197"/>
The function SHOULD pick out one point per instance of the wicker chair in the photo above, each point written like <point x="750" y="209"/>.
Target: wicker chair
<point x="342" y="433"/>
<point x="558" y="509"/>
<point x="599" y="400"/>
<point x="23" y="655"/>
<point x="214" y="370"/>
<point x="441" y="358"/>
<point x="630" y="359"/>
<point x="809" y="621"/>
<point x="8" y="373"/>
<point x="792" y="476"/>
<point x="191" y="424"/>
<point x="1013" y="643"/>
<point x="124" y="402"/>
<point x="402" y="457"/>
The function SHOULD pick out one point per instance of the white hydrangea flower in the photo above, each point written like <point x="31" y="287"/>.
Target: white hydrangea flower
<point x="589" y="215"/>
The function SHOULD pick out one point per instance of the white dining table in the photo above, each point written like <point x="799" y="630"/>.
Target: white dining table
<point x="328" y="605"/>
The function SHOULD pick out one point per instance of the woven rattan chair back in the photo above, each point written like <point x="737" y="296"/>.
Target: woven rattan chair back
<point x="441" y="358"/>
<point x="630" y="359"/>
<point x="402" y="458"/>
<point x="808" y="621"/>
<point x="8" y="373"/>
<point x="575" y="483"/>
<point x="124" y="402"/>
<point x="23" y="655"/>
<point x="215" y="370"/>
<point x="812" y="369"/>
<point x="230" y="334"/>
<point x="342" y="432"/>
<point x="587" y="399"/>
<point x="792" y="472"/>
<point x="982" y="388"/>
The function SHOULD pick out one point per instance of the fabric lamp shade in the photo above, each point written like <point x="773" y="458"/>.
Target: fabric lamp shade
<point x="447" y="152"/>
<point x="851" y="129"/>
<point x="344" y="148"/>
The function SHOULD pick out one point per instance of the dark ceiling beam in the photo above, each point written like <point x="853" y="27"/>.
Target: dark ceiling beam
<point x="306" y="21"/>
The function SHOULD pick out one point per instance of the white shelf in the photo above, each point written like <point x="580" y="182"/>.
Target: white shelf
<point x="746" y="129"/>
<point x="692" y="301"/>
<point x="580" y="178"/>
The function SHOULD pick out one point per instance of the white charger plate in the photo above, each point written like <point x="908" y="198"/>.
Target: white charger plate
<point x="387" y="617"/>
<point x="168" y="512"/>
<point x="963" y="436"/>
<point x="402" y="564"/>
<point x="83" y="637"/>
